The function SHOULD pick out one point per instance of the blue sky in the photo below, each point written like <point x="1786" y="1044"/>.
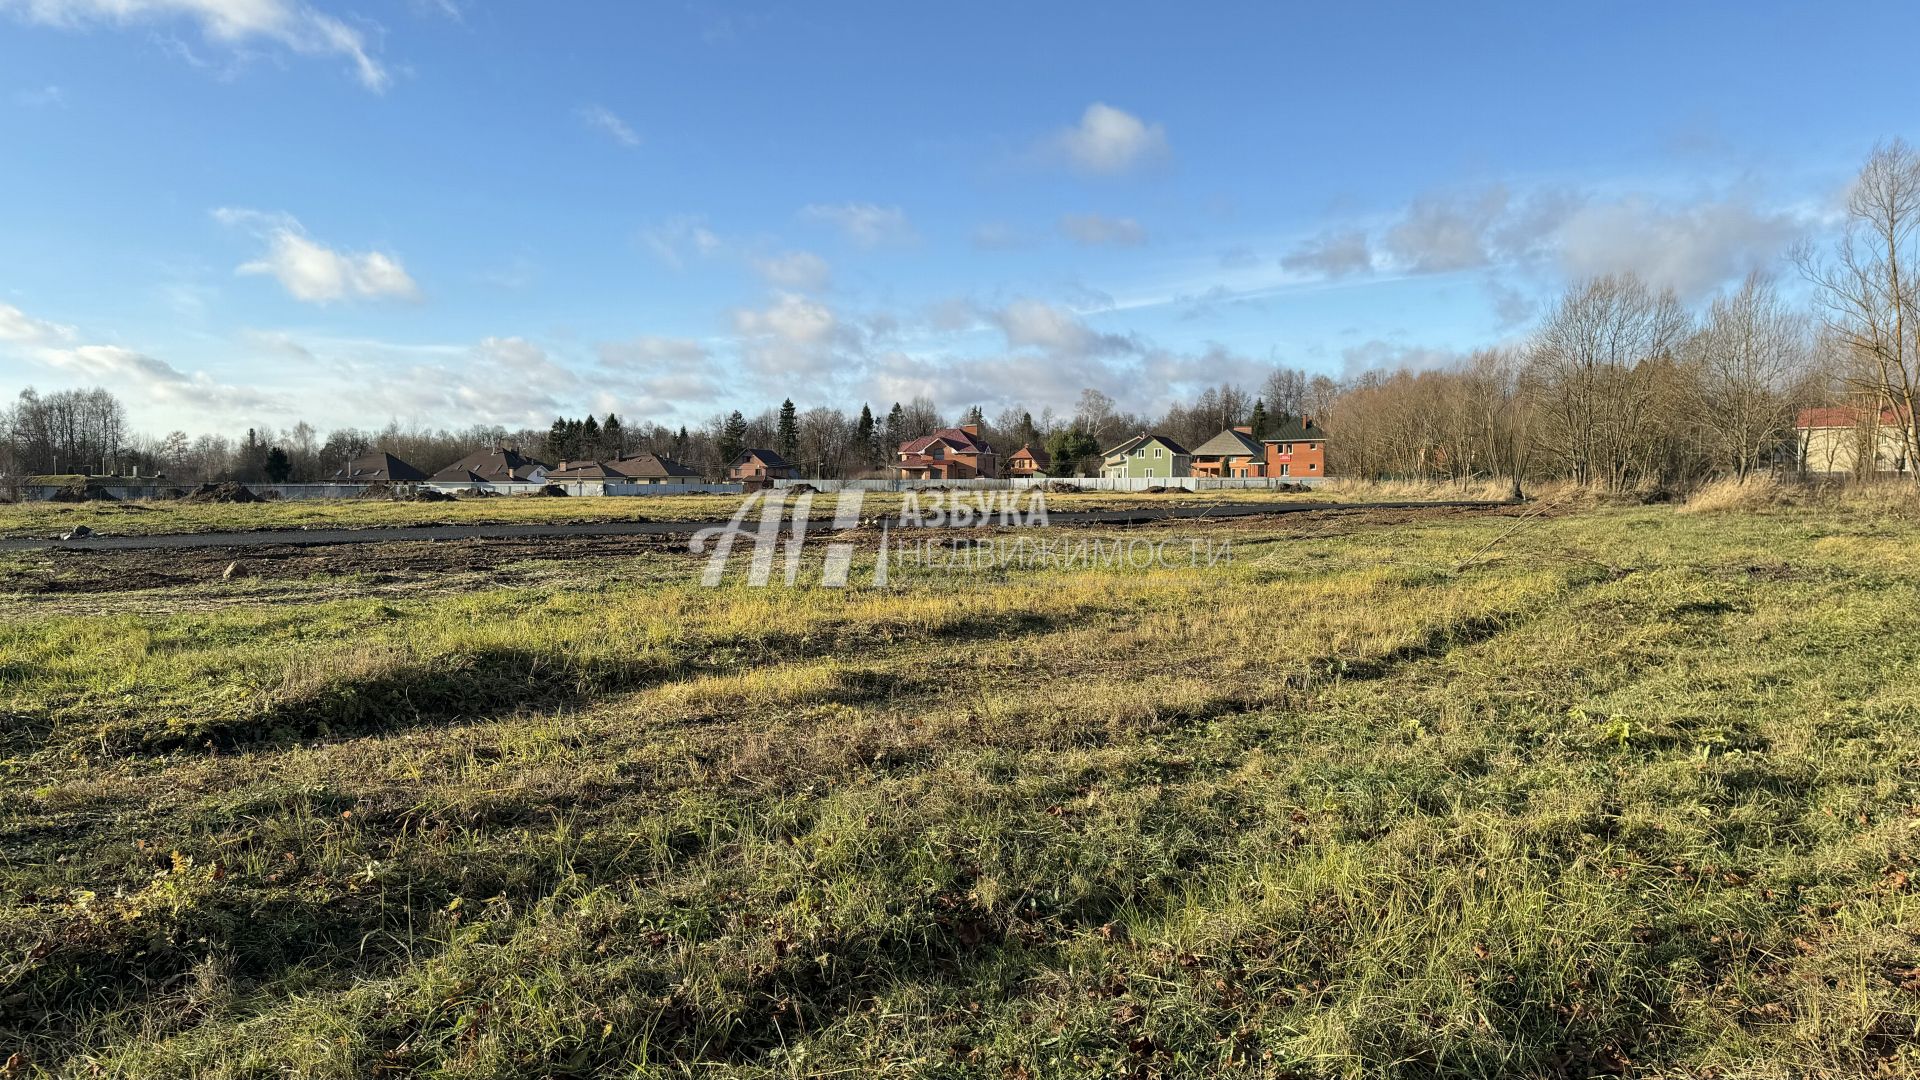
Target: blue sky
<point x="448" y="212"/>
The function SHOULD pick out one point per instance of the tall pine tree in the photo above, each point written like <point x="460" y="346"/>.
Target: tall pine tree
<point x="1258" y="422"/>
<point x="788" y="432"/>
<point x="733" y="438"/>
<point x="865" y="442"/>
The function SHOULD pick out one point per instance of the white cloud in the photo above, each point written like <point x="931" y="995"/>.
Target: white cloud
<point x="1692" y="248"/>
<point x="40" y="97"/>
<point x="18" y="326"/>
<point x="1110" y="140"/>
<point x="650" y="352"/>
<point x="1378" y="355"/>
<point x="152" y="381"/>
<point x="1693" y="245"/>
<point x="1038" y="324"/>
<point x="680" y="239"/>
<point x="234" y="24"/>
<point x="997" y="236"/>
<point x="1094" y="230"/>
<point x="312" y="271"/>
<point x="608" y="121"/>
<point x="1331" y="254"/>
<point x="794" y="336"/>
<point x="791" y="318"/>
<point x="866" y="224"/>
<point x="802" y="270"/>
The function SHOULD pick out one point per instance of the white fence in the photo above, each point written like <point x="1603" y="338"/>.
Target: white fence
<point x="42" y="492"/>
<point x="1084" y="483"/>
<point x="658" y="489"/>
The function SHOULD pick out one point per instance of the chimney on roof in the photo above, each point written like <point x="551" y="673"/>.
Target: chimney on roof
<point x="1244" y="429"/>
<point x="971" y="429"/>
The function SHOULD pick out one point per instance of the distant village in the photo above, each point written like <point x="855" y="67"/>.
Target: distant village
<point x="1296" y="450"/>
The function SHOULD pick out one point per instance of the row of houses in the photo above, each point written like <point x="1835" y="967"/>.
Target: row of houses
<point x="957" y="453"/>
<point x="503" y="469"/>
<point x="1298" y="449"/>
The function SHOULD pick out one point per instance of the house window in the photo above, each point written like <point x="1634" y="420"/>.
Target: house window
<point x="1156" y="451"/>
<point x="1149" y="472"/>
<point x="1284" y="468"/>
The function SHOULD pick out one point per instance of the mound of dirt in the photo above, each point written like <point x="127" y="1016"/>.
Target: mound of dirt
<point x="79" y="491"/>
<point x="802" y="489"/>
<point x="1060" y="487"/>
<point x="229" y="492"/>
<point x="378" y="491"/>
<point x="426" y="495"/>
<point x="554" y="491"/>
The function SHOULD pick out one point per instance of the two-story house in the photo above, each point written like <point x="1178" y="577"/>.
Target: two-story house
<point x="1146" y="456"/>
<point x="1298" y="449"/>
<point x="948" y="454"/>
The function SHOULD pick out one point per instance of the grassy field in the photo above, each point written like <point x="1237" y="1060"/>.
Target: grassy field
<point x="1627" y="791"/>
<point x="140" y="518"/>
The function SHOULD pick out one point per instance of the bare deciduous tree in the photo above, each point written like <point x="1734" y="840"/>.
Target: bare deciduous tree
<point x="1595" y="367"/>
<point x="1750" y="356"/>
<point x="1868" y="295"/>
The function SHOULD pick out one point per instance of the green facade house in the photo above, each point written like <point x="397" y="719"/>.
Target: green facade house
<point x="1146" y="457"/>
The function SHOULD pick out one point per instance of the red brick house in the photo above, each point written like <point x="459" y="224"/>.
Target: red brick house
<point x="1029" y="460"/>
<point x="947" y="454"/>
<point x="1299" y="448"/>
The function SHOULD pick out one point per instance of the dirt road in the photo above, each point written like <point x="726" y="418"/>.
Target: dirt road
<point x="318" y="537"/>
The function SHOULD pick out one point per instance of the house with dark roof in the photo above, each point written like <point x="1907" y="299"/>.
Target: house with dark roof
<point x="1298" y="448"/>
<point x="957" y="453"/>
<point x="1146" y="456"/>
<point x="1029" y="460"/>
<point x="1232" y="453"/>
<point x="755" y="465"/>
<point x="379" y="467"/>
<point x="499" y="470"/>
<point x="593" y="477"/>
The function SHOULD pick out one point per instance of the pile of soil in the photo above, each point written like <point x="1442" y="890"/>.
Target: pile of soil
<point x="802" y="489"/>
<point x="229" y="492"/>
<point x="1061" y="487"/>
<point x="554" y="491"/>
<point x="79" y="491"/>
<point x="378" y="491"/>
<point x="426" y="495"/>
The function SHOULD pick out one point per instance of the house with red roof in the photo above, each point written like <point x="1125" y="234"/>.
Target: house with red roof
<point x="1846" y="440"/>
<point x="948" y="454"/>
<point x="1029" y="460"/>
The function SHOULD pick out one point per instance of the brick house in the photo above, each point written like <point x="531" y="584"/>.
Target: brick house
<point x="1299" y="448"/>
<point x="758" y="466"/>
<point x="1232" y="453"/>
<point x="948" y="454"/>
<point x="1029" y="460"/>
